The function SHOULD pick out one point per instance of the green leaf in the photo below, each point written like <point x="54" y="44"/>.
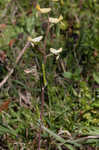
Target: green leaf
<point x="96" y="77"/>
<point x="4" y="130"/>
<point x="67" y="75"/>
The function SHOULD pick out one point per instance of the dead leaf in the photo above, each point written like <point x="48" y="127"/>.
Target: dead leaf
<point x="5" y="105"/>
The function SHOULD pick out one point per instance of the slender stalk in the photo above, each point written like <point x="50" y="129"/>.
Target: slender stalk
<point x="43" y="84"/>
<point x="41" y="115"/>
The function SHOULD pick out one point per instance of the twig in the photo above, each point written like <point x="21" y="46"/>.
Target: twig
<point x="80" y="3"/>
<point x="6" y="77"/>
<point x="70" y="141"/>
<point x="16" y="62"/>
<point x="86" y="138"/>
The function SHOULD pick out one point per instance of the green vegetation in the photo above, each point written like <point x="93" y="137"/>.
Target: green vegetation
<point x="49" y="74"/>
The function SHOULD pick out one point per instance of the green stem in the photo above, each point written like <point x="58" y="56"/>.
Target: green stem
<point x="44" y="76"/>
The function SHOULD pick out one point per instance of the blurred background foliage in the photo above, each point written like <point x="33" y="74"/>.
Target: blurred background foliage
<point x="72" y="92"/>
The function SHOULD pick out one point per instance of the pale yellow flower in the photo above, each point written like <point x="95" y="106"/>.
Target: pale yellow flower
<point x="55" y="51"/>
<point x="35" y="40"/>
<point x="55" y="0"/>
<point x="55" y="20"/>
<point x="43" y="10"/>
